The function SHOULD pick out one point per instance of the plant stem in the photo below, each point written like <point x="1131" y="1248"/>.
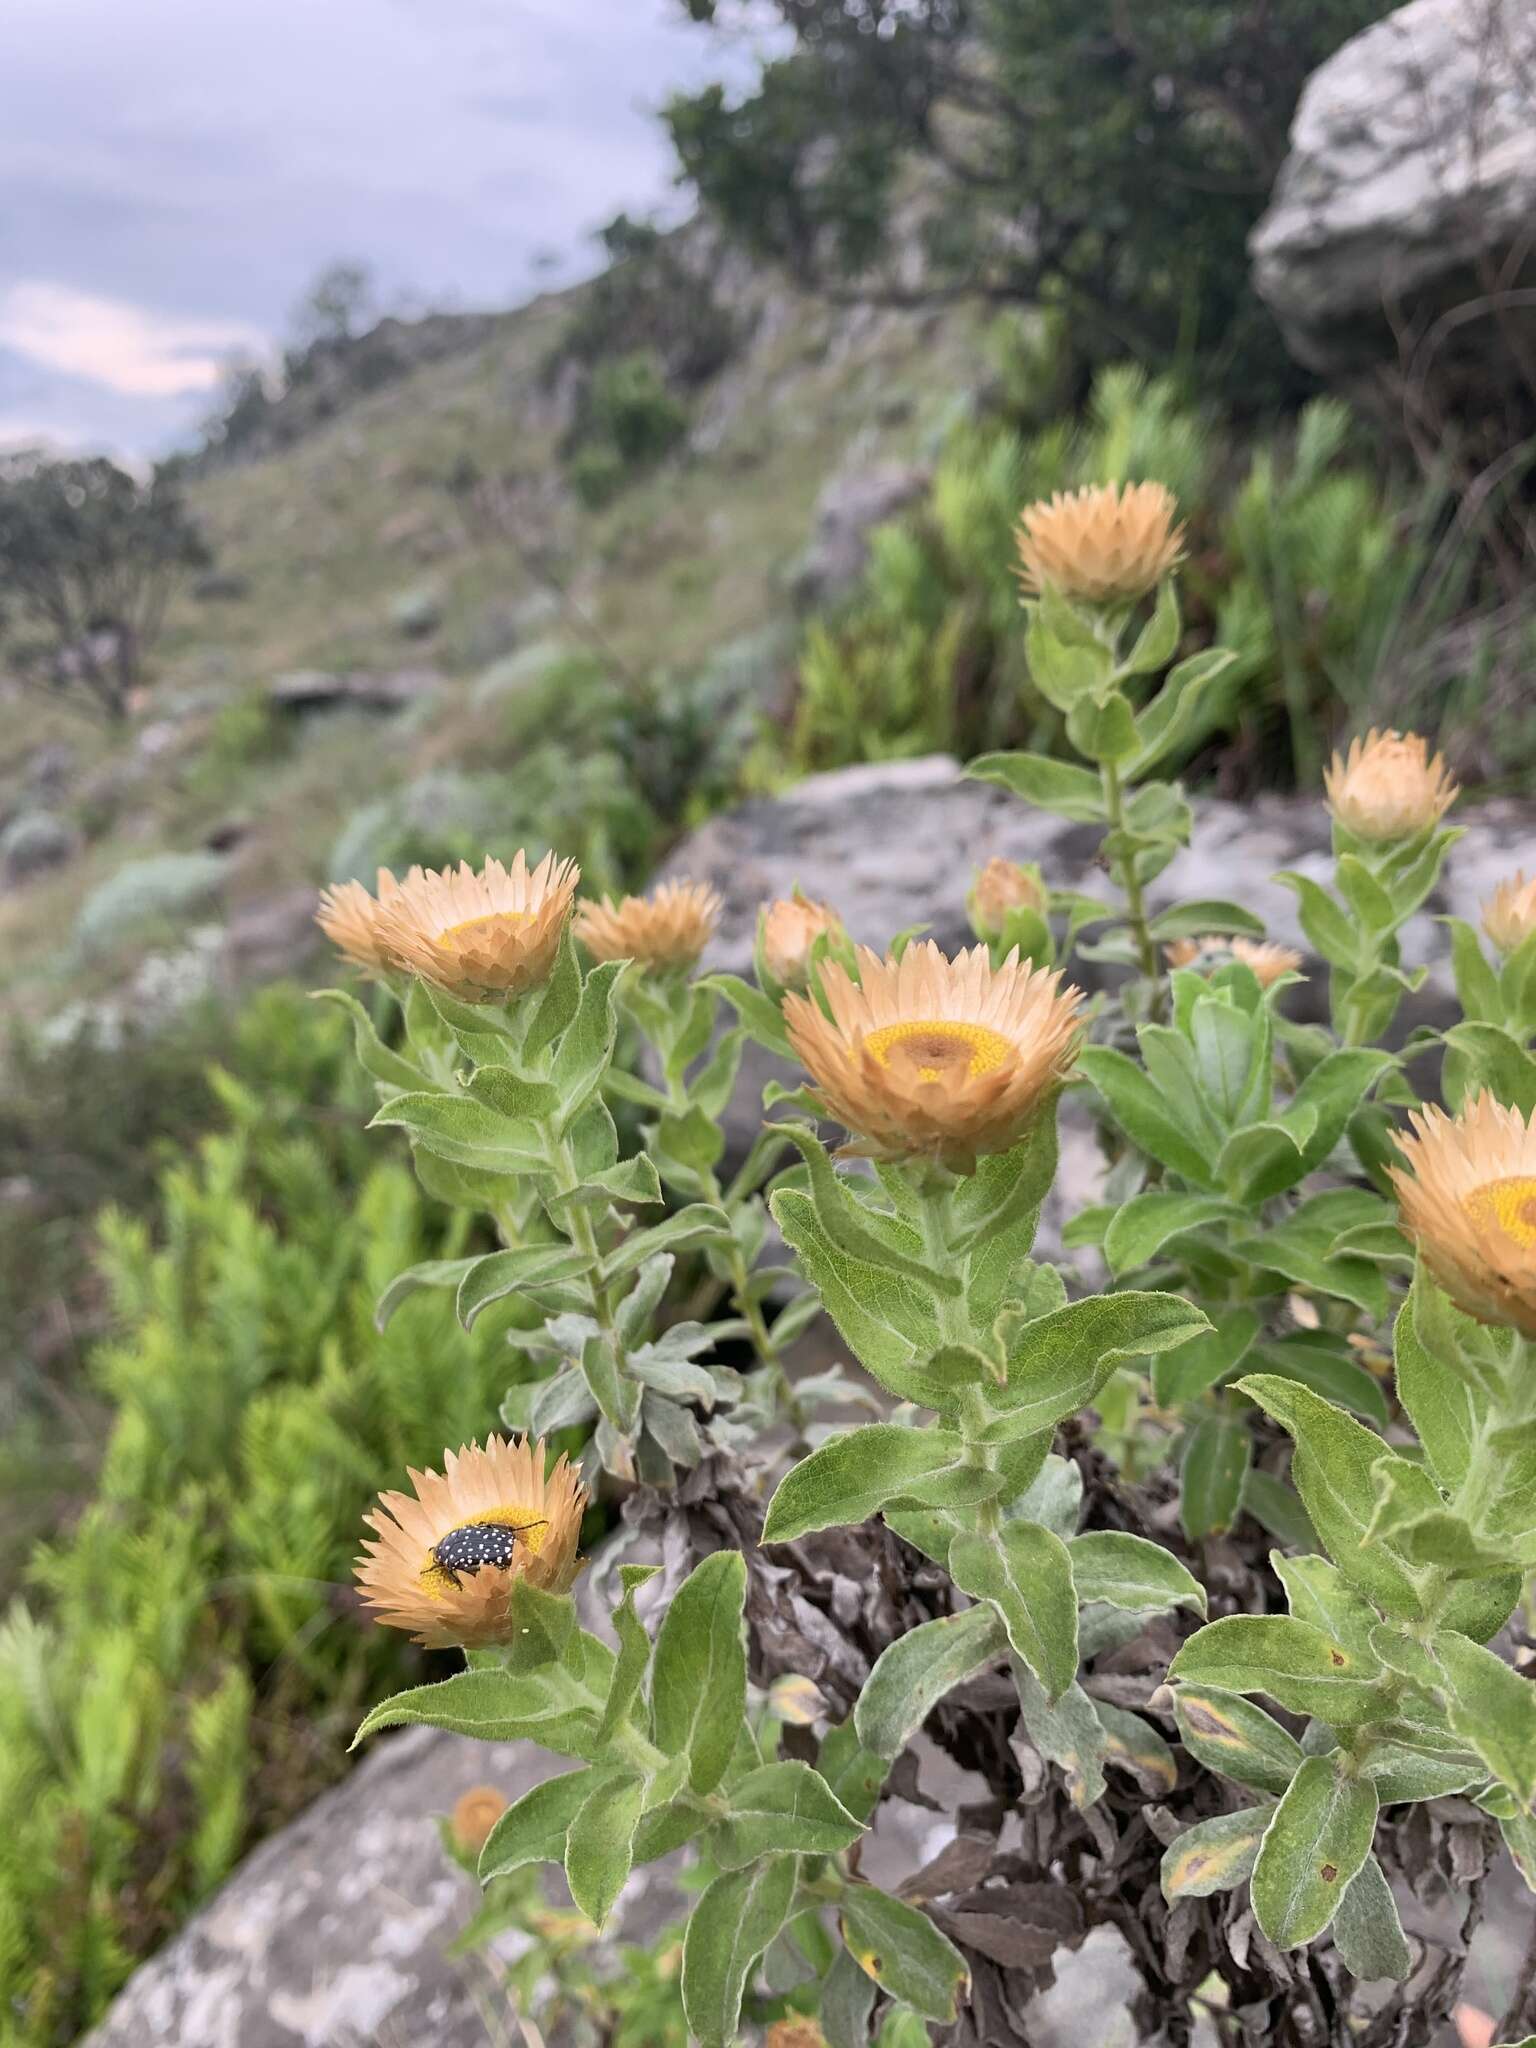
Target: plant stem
<point x="1125" y="873"/>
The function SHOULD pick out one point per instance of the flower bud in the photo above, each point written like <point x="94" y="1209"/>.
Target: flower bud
<point x="1109" y="544"/>
<point x="1267" y="961"/>
<point x="1509" y="915"/>
<point x="790" y="928"/>
<point x="798" y="2032"/>
<point x="665" y="931"/>
<point x="475" y="1813"/>
<point x="1389" y="786"/>
<point x="1000" y="887"/>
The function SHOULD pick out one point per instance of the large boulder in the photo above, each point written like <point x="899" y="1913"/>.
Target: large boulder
<point x="1410" y="188"/>
<point x="334" y="1934"/>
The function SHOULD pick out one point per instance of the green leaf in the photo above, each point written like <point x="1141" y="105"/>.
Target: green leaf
<point x="373" y="1055"/>
<point x="851" y="1477"/>
<point x="1317" y="1840"/>
<point x="1483" y="1056"/>
<point x="887" y="1322"/>
<point x="1172" y="717"/>
<point x="782" y="1808"/>
<point x="1317" y="1591"/>
<point x="430" y="1273"/>
<point x="464" y="1131"/>
<point x="1316" y="1359"/>
<point x="1402" y="1775"/>
<point x="1059" y="786"/>
<point x="512" y="1094"/>
<point x="998" y="1205"/>
<point x="1058" y="1362"/>
<point x="533" y="1828"/>
<point x="1493" y="1708"/>
<point x="1131" y="1573"/>
<point x="857" y="1231"/>
<point x="558" y="1000"/>
<point x="1132" y="1745"/>
<point x="915" y="1672"/>
<point x="586" y="1046"/>
<point x="546" y="1706"/>
<point x="1278" y="1510"/>
<point x="1329" y="932"/>
<point x="1477" y="986"/>
<point x="759" y="1014"/>
<point x="1214" y="1855"/>
<point x="1146" y="1223"/>
<point x="847" y="2000"/>
<point x="1158" y="641"/>
<point x="701" y="1224"/>
<point x="1145" y="1114"/>
<point x="855" y="1773"/>
<point x="1183" y="1374"/>
<point x="1231" y="1735"/>
<point x="905" y="1954"/>
<point x="699" y="1674"/>
<point x="629" y="1667"/>
<point x="599" y="1847"/>
<point x="1364" y="894"/>
<point x="1196" y="920"/>
<point x="733" y="1922"/>
<point x="627" y="1180"/>
<point x="1102" y="728"/>
<point x="499" y="1274"/>
<point x="1068" y="1733"/>
<point x="1292" y="1662"/>
<point x="1366" y="1930"/>
<point x="1443" y="1409"/>
<point x="1026" y="1574"/>
<point x="1334" y="1470"/>
<point x="1212" y="1473"/>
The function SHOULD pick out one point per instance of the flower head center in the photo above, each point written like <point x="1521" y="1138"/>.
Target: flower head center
<point x="491" y="924"/>
<point x="1507" y="1206"/>
<point x="937" y="1049"/>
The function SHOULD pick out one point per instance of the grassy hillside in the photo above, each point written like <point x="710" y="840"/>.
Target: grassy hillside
<point x="322" y="542"/>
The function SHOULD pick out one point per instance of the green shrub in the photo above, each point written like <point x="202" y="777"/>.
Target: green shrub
<point x="629" y="421"/>
<point x="1316" y="569"/>
<point x="163" y="889"/>
<point x="179" y="1673"/>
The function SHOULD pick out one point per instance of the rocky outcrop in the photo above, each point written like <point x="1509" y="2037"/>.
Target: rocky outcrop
<point x="335" y="1933"/>
<point x="895" y="844"/>
<point x="1410" y="187"/>
<point x="301" y="691"/>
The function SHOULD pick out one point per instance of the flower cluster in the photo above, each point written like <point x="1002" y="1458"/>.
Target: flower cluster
<point x="1297" y="1249"/>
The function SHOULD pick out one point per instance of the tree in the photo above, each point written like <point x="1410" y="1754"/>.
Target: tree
<point x="89" y="557"/>
<point x="339" y="306"/>
<point x="1110" y="155"/>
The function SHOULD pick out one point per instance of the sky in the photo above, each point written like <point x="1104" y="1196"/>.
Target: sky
<point x="175" y="173"/>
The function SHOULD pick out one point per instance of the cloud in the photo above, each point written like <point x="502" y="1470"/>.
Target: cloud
<point x="127" y="348"/>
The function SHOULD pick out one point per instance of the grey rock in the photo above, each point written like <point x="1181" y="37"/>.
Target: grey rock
<point x="302" y="691"/>
<point x="1412" y="169"/>
<point x="334" y="1933"/>
<point x="33" y="843"/>
<point x="417" y="613"/>
<point x="48" y="771"/>
<point x="269" y="937"/>
<point x="221" y="586"/>
<point x="851" y="506"/>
